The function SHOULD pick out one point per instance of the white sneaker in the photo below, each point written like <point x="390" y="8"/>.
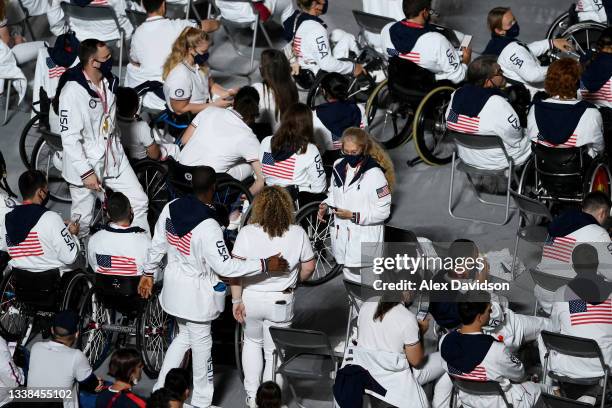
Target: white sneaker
<point x="250" y="402"/>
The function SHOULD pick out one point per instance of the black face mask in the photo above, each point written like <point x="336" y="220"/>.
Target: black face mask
<point x="514" y="31"/>
<point x="106" y="67"/>
<point x="353" y="159"/>
<point x="201" y="59"/>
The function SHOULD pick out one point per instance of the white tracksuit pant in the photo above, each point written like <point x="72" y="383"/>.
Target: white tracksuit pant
<point x="262" y="311"/>
<point x="433" y="370"/>
<point x="195" y="336"/>
<point x="84" y="199"/>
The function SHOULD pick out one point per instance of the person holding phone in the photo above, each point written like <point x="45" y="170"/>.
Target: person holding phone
<point x="263" y="301"/>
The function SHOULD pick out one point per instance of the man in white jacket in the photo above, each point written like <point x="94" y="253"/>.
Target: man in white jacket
<point x="593" y="10"/>
<point x="93" y="155"/>
<point x="189" y="234"/>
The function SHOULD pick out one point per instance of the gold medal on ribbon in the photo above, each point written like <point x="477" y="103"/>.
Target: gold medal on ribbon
<point x="105" y="125"/>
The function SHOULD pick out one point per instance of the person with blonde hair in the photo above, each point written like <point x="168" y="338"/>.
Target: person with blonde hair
<point x="188" y="86"/>
<point x="359" y="199"/>
<point x="263" y="301"/>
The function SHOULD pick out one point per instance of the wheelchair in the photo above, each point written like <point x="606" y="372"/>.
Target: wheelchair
<point x="411" y="104"/>
<point x="113" y="310"/>
<point x="563" y="176"/>
<point x="29" y="300"/>
<point x="568" y="26"/>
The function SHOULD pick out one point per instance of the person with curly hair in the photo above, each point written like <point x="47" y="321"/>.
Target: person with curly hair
<point x="562" y="120"/>
<point x="260" y="302"/>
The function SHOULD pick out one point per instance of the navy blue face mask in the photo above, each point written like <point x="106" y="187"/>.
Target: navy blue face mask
<point x="201" y="59"/>
<point x="107" y="66"/>
<point x="353" y="159"/>
<point x="514" y="31"/>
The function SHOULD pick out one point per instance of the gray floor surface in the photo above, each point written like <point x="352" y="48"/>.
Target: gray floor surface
<point x="420" y="198"/>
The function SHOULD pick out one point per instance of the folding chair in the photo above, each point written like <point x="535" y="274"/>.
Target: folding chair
<point x="480" y="142"/>
<point x="26" y="19"/>
<point x="96" y="13"/>
<point x="530" y="232"/>
<point x="231" y="26"/>
<point x="552" y="401"/>
<point x="575" y="347"/>
<point x="357" y="294"/>
<point x="136" y="17"/>
<point x="548" y="282"/>
<point x="371" y="23"/>
<point x="476" y="388"/>
<point x="304" y="354"/>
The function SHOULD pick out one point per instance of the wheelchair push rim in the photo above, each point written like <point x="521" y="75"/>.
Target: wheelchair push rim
<point x="582" y="36"/>
<point x="559" y="26"/>
<point x="14" y="321"/>
<point x="319" y="234"/>
<point x="29" y="136"/>
<point x="153" y="178"/>
<point x="388" y="120"/>
<point x="429" y="127"/>
<point x="156" y="329"/>
<point x="43" y="160"/>
<point x="94" y="341"/>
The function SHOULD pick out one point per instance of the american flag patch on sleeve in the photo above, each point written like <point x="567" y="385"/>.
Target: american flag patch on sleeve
<point x="383" y="191"/>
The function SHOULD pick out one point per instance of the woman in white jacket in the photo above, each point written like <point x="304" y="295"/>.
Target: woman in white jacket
<point x="360" y="200"/>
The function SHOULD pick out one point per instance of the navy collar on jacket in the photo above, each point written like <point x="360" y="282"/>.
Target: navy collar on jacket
<point x="339" y="116"/>
<point x="470" y="99"/>
<point x="570" y="221"/>
<point x="593" y="289"/>
<point x="496" y="44"/>
<point x="21" y="220"/>
<point x="558" y="121"/>
<point x="608" y="6"/>
<point x="290" y="26"/>
<point x="597" y="72"/>
<point x="340" y="170"/>
<point x="128" y="230"/>
<point x="464" y="352"/>
<point x="76" y="74"/>
<point x="404" y="34"/>
<point x="188" y="212"/>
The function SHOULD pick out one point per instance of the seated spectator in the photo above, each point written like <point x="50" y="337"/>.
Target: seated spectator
<point x="571" y="228"/>
<point x="594" y="10"/>
<point x="126" y="367"/>
<point x="583" y="308"/>
<point x="164" y="398"/>
<point x="277" y="90"/>
<point x="562" y="120"/>
<point x="596" y="80"/>
<point x="470" y="354"/>
<point x="55" y="363"/>
<point x="151" y="45"/>
<point x="11" y="375"/>
<point x="332" y="118"/>
<point x="178" y="381"/>
<point x="518" y="61"/>
<point x="188" y="85"/>
<point x="290" y="159"/>
<point x="222" y="139"/>
<point x="24" y="51"/>
<point x="245" y="12"/>
<point x="269" y="396"/>
<point x="481" y="108"/>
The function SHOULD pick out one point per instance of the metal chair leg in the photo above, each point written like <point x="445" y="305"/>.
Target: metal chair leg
<point x="9" y="82"/>
<point x="265" y="33"/>
<point x="121" y="55"/>
<point x="514" y="256"/>
<point x="255" y="29"/>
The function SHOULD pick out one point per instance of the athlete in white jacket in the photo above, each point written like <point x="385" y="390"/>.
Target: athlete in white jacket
<point x="480" y="108"/>
<point x="413" y="40"/>
<point x="189" y="234"/>
<point x="11" y="376"/>
<point x="93" y="155"/>
<point x="36" y="238"/>
<point x="518" y="61"/>
<point x="596" y="79"/>
<point x="593" y="10"/>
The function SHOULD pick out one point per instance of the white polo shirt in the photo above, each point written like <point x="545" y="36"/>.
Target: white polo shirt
<point x="398" y="328"/>
<point x="53" y="364"/>
<point x="136" y="136"/>
<point x="253" y="243"/>
<point x="185" y="83"/>
<point x="220" y="140"/>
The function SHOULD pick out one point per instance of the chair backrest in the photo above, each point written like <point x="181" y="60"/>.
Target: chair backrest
<point x="407" y="79"/>
<point x="176" y="11"/>
<point x="480" y="388"/>
<point x="552" y="401"/>
<point x="136" y="17"/>
<point x="559" y="162"/>
<point x="285" y="337"/>
<point x="359" y="291"/>
<point x="573" y="346"/>
<point x="478" y="142"/>
<point x="371" y="22"/>
<point x="53" y="139"/>
<point x="548" y="281"/>
<point x="90" y="13"/>
<point x="530" y="206"/>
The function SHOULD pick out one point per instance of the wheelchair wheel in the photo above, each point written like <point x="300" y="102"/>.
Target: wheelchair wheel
<point x="29" y="136"/>
<point x="94" y="340"/>
<point x="359" y="90"/>
<point x="152" y="177"/>
<point x="599" y="180"/>
<point x="156" y="330"/>
<point x="14" y="321"/>
<point x="429" y="127"/>
<point x="388" y="120"/>
<point x="76" y="291"/>
<point x="558" y="26"/>
<point x="583" y="37"/>
<point x="238" y="344"/>
<point x="319" y="234"/>
<point x="45" y="159"/>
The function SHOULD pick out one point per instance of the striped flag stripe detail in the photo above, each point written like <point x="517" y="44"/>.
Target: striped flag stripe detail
<point x="582" y="312"/>
<point x="560" y="249"/>
<point x="29" y="247"/>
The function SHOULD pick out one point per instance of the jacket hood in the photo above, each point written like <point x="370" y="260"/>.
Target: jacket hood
<point x="464" y="352"/>
<point x="553" y="130"/>
<point x="597" y="72"/>
<point x="21" y="220"/>
<point x="496" y="44"/>
<point x="570" y="221"/>
<point x="340" y="170"/>
<point x="290" y="25"/>
<point x="339" y="116"/>
<point x="470" y="99"/>
<point x="188" y="212"/>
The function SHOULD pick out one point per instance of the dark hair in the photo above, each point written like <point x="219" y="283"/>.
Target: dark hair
<point x="276" y="74"/>
<point x="127" y="102"/>
<point x="268" y="395"/>
<point x="305" y="4"/>
<point x="118" y="207"/>
<point x="203" y="179"/>
<point x="246" y="103"/>
<point x="585" y="259"/>
<point x="335" y="86"/>
<point x="295" y="130"/>
<point x="151" y="6"/>
<point x="563" y="78"/>
<point x="391" y="298"/>
<point x="462" y="248"/>
<point x="471" y="305"/>
<point x="596" y="200"/>
<point x="30" y="181"/>
<point x="178" y="380"/>
<point x="605" y="38"/>
<point x="88" y="49"/>
<point x="161" y="398"/>
<point x="481" y="69"/>
<point x="413" y="8"/>
<point x="495" y="17"/>
<point x="123" y="362"/>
